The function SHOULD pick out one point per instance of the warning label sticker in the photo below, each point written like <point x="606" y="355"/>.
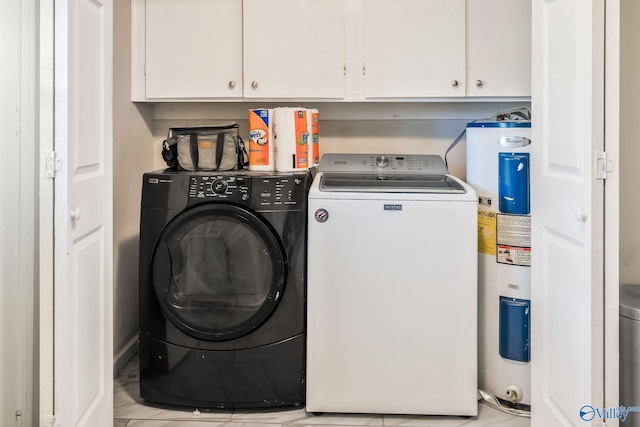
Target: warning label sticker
<point x="514" y="230"/>
<point x="486" y="232"/>
<point x="513" y="239"/>
<point x="514" y="255"/>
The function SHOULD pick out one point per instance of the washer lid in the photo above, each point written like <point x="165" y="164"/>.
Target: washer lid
<point x="630" y="301"/>
<point x="390" y="183"/>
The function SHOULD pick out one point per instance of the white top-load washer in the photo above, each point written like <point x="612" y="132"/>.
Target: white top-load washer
<point x="392" y="287"/>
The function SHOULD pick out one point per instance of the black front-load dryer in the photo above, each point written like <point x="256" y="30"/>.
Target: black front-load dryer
<point x="222" y="288"/>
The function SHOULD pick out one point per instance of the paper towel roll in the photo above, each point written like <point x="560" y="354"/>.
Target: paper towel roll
<point x="261" y="151"/>
<point x="290" y="139"/>
<point x="313" y="118"/>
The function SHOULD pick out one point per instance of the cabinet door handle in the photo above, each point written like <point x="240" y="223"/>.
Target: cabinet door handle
<point x="254" y="84"/>
<point x="454" y="83"/>
<point x="479" y="83"/>
<point x="232" y="84"/>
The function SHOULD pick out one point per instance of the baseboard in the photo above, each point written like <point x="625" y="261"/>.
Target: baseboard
<point x="123" y="357"/>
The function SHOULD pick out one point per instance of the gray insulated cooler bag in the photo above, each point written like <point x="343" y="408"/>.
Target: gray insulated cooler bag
<point x="206" y="148"/>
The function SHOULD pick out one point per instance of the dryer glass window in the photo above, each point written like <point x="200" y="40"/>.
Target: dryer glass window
<point x="221" y="271"/>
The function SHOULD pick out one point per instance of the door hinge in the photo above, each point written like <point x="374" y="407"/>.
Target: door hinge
<point x="50" y="421"/>
<point x="603" y="164"/>
<point x="52" y="164"/>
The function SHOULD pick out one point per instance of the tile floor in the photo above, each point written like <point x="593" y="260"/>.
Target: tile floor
<point x="129" y="411"/>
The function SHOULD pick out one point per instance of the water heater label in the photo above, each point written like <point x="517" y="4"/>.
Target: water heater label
<point x="514" y="230"/>
<point x="514" y="255"/>
<point x="514" y="239"/>
<point x="514" y="141"/>
<point x="486" y="231"/>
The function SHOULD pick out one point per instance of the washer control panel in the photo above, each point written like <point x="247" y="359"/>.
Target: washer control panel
<point x="427" y="164"/>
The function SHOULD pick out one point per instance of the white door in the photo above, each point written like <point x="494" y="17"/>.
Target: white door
<point x="294" y="48"/>
<point x="83" y="354"/>
<point x="567" y="212"/>
<point x="193" y="49"/>
<point x="499" y="48"/>
<point x="414" y="48"/>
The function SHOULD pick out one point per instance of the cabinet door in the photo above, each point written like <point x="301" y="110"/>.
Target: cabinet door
<point x="414" y="48"/>
<point x="499" y="48"/>
<point x="193" y="49"/>
<point x="294" y="48"/>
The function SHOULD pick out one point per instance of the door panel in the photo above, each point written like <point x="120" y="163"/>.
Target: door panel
<point x="83" y="376"/>
<point x="193" y="49"/>
<point x="499" y="47"/>
<point x="294" y="48"/>
<point x="414" y="48"/>
<point x="567" y="211"/>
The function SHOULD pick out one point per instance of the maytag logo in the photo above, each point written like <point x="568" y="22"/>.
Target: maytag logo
<point x="392" y="207"/>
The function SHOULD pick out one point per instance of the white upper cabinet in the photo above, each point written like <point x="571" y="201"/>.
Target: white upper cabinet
<point x="499" y="48"/>
<point x="414" y="48"/>
<point x="193" y="49"/>
<point x="351" y="50"/>
<point x="294" y="49"/>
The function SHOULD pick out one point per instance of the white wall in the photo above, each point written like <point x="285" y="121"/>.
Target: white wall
<point x="17" y="211"/>
<point x="393" y="128"/>
<point x="133" y="154"/>
<point x="629" y="143"/>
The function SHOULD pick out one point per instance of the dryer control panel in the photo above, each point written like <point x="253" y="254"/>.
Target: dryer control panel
<point x="279" y="192"/>
<point x="260" y="192"/>
<point x="219" y="187"/>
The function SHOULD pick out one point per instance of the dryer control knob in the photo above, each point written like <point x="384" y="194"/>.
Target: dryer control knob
<point x="219" y="186"/>
<point x="382" y="161"/>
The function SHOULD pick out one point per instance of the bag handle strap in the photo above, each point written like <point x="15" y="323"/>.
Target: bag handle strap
<point x="243" y="157"/>
<point x="193" y="150"/>
<point x="219" y="149"/>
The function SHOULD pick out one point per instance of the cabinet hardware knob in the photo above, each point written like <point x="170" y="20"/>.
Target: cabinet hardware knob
<point x="232" y="84"/>
<point x="75" y="214"/>
<point x="479" y="83"/>
<point x="454" y="83"/>
<point x="254" y="84"/>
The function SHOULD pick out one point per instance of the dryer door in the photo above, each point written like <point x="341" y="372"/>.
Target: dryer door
<point x="218" y="271"/>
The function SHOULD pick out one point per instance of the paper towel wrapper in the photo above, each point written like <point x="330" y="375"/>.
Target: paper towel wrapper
<point x="261" y="151"/>
<point x="290" y="139"/>
<point x="312" y="127"/>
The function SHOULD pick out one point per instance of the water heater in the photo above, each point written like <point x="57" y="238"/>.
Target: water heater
<point x="498" y="169"/>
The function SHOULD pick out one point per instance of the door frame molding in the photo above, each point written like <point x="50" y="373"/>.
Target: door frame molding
<point x="46" y="197"/>
<point x="612" y="206"/>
